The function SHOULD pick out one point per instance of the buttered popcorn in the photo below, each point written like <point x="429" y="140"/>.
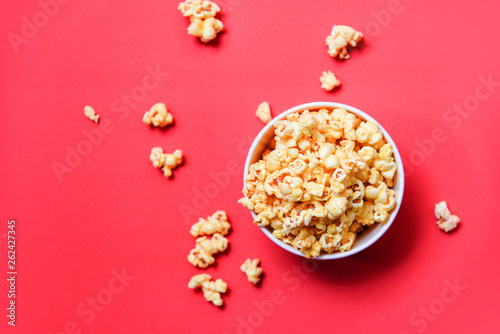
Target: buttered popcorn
<point x="326" y="176"/>
<point x="90" y="114"/>
<point x="264" y="112"/>
<point x="340" y="38"/>
<point x="329" y="81"/>
<point x="202" y="255"/>
<point x="446" y="221"/>
<point x="211" y="289"/>
<point x="216" y="223"/>
<point x="165" y="161"/>
<point x="158" y="115"/>
<point x="202" y="17"/>
<point x="252" y="270"/>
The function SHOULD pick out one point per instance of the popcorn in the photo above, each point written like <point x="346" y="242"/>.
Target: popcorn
<point x="388" y="169"/>
<point x="386" y="153"/>
<point x="158" y="116"/>
<point x="340" y="38"/>
<point x="90" y="114"/>
<point x="329" y="81"/>
<point x="165" y="161"/>
<point x="441" y="211"/>
<point x="264" y="112"/>
<point x="307" y="243"/>
<point x="368" y="132"/>
<point x="206" y="29"/>
<point x="450" y="224"/>
<point x="335" y="206"/>
<point x="199" y="9"/>
<point x="446" y="221"/>
<point x="217" y="223"/>
<point x="252" y="270"/>
<point x="325" y="176"/>
<point x="211" y="289"/>
<point x="202" y="17"/>
<point x="202" y="255"/>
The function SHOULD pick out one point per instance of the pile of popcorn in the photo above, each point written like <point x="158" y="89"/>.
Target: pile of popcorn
<point x="211" y="289"/>
<point x="202" y="17"/>
<point x="202" y="256"/>
<point x="217" y="226"/>
<point x="325" y="176"/>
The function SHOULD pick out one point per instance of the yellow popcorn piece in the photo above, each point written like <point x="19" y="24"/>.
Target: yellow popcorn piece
<point x="264" y="112"/>
<point x="252" y="270"/>
<point x="446" y="221"/>
<point x="202" y="17"/>
<point x="158" y="115"/>
<point x="199" y="9"/>
<point x="340" y="37"/>
<point x="325" y="172"/>
<point x="449" y="224"/>
<point x="90" y="114"/>
<point x="202" y="255"/>
<point x="216" y="223"/>
<point x="329" y="81"/>
<point x="211" y="289"/>
<point x="368" y="132"/>
<point x="307" y="243"/>
<point x="165" y="161"/>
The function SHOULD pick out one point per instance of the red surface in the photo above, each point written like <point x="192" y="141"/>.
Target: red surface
<point x="114" y="210"/>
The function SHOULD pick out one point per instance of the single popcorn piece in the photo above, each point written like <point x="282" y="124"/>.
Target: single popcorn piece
<point x="252" y="270"/>
<point x="217" y="223"/>
<point x="158" y="116"/>
<point x="202" y="255"/>
<point x="165" y="161"/>
<point x="264" y="112"/>
<point x="199" y="8"/>
<point x="202" y="17"/>
<point x="90" y="113"/>
<point x="206" y="29"/>
<point x="211" y="289"/>
<point x="329" y="81"/>
<point x="441" y="211"/>
<point x="446" y="221"/>
<point x="340" y="38"/>
<point x="325" y="176"/>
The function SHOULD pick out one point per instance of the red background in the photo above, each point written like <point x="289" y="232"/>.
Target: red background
<point x="114" y="210"/>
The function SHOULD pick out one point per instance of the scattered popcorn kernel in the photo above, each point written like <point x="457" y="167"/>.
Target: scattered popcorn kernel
<point x="441" y="211"/>
<point x="446" y="221"/>
<point x="90" y="113"/>
<point x="202" y="255"/>
<point x="211" y="289"/>
<point x="206" y="29"/>
<point x="449" y="224"/>
<point x="202" y="17"/>
<point x="165" y="161"/>
<point x="340" y="38"/>
<point x="264" y="112"/>
<point x="329" y="81"/>
<point x="216" y="223"/>
<point x="325" y="176"/>
<point x="252" y="270"/>
<point x="158" y="116"/>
